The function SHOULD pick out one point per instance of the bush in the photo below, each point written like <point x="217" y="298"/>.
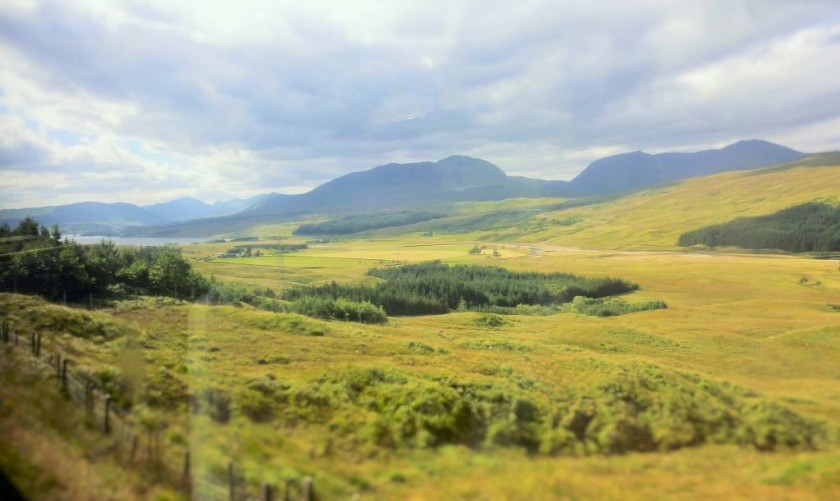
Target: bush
<point x="489" y="320"/>
<point x="340" y="309"/>
<point x="634" y="407"/>
<point x="611" y="307"/>
<point x="214" y="402"/>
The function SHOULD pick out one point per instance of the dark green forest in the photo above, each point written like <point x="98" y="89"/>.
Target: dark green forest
<point x="35" y="260"/>
<point x="364" y="222"/>
<point x="811" y="227"/>
<point x="435" y="287"/>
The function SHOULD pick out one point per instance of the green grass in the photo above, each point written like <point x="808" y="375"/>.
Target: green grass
<point x="741" y="335"/>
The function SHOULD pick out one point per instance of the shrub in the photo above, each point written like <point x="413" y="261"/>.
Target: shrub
<point x="489" y="320"/>
<point x="216" y="403"/>
<point x="611" y="307"/>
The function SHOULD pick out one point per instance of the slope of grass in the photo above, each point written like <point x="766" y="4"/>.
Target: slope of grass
<point x="655" y="218"/>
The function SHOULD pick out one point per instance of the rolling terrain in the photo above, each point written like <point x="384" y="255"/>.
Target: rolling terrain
<point x="732" y="390"/>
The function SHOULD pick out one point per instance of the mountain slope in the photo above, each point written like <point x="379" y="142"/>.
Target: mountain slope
<point x="655" y="218"/>
<point x="413" y="185"/>
<point x="631" y="171"/>
<point x="391" y="185"/>
<point x="460" y="178"/>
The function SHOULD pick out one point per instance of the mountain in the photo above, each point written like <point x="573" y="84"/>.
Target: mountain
<point x="392" y="185"/>
<point x="631" y="171"/>
<point x="85" y="217"/>
<point x="400" y="186"/>
<point x="461" y="178"/>
<point x="188" y="208"/>
<point x="182" y="209"/>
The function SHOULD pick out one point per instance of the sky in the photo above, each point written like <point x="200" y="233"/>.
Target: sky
<point x="148" y="101"/>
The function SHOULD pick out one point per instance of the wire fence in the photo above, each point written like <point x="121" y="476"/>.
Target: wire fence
<point x="138" y="445"/>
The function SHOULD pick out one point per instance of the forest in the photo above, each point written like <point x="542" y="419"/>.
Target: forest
<point x="810" y="227"/>
<point x="364" y="222"/>
<point x="35" y="260"/>
<point x="434" y="288"/>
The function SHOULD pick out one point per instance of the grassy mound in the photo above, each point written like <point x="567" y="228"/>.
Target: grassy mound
<point x="39" y="315"/>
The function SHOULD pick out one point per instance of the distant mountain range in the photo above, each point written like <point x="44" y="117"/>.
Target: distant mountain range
<point x="400" y="186"/>
<point x="96" y="218"/>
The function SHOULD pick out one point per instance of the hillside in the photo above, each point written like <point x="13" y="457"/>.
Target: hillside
<point x="655" y="218"/>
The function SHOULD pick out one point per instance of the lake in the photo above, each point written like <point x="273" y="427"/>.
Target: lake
<point x="136" y="241"/>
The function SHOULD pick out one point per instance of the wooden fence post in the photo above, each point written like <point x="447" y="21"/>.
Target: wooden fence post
<point x="33" y="343"/>
<point x="58" y="365"/>
<point x="231" y="482"/>
<point x="64" y="373"/>
<point x="133" y="448"/>
<point x="37" y="344"/>
<point x="308" y="489"/>
<point x="267" y="495"/>
<point x="185" y="475"/>
<point x="106" y="422"/>
<point x="89" y="398"/>
<point x="287" y="494"/>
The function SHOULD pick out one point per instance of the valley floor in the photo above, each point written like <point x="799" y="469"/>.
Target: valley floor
<point x="764" y="330"/>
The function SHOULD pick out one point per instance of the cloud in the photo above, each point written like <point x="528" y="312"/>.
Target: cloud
<point x="218" y="99"/>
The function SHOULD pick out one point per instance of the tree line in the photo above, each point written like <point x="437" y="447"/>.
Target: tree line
<point x="35" y="260"/>
<point x="434" y="288"/>
<point x="810" y="227"/>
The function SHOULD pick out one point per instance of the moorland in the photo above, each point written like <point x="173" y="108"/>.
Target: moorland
<point x="700" y="372"/>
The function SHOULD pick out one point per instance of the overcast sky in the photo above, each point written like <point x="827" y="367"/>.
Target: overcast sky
<point x="147" y="101"/>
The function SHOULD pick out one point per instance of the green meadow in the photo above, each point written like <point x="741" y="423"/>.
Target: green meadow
<point x="732" y="391"/>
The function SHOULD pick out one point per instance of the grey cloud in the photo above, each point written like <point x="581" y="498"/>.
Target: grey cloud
<point x="578" y="75"/>
<point x="22" y="154"/>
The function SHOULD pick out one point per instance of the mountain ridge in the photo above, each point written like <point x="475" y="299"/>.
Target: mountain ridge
<point x="455" y="178"/>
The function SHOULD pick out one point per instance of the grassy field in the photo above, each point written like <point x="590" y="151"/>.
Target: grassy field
<point x="748" y="320"/>
<point x="733" y="391"/>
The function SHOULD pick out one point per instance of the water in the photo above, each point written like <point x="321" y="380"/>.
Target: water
<point x="136" y="241"/>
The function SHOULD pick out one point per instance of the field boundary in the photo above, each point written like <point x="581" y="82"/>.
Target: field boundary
<point x="136" y="444"/>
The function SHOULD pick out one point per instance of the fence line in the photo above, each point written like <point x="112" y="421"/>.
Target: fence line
<point x="104" y="416"/>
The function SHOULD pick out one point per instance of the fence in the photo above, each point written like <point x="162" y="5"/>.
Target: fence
<point x="128" y="448"/>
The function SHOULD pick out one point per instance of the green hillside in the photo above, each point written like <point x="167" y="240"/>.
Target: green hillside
<point x="655" y="218"/>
